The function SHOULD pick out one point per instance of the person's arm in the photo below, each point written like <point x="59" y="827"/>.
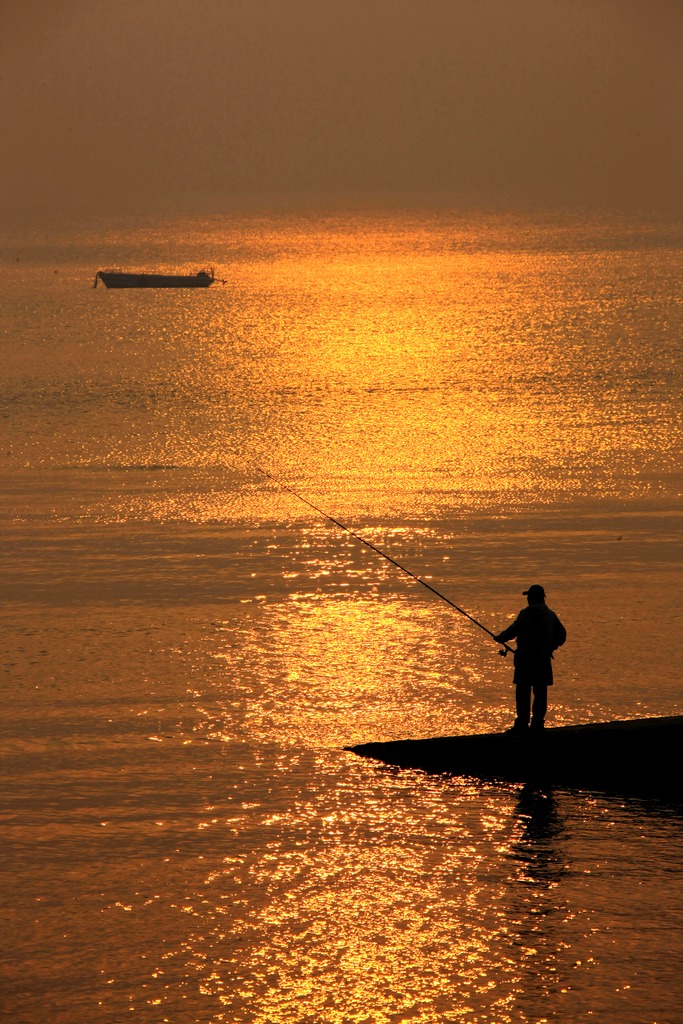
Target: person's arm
<point x="508" y="634"/>
<point x="559" y="634"/>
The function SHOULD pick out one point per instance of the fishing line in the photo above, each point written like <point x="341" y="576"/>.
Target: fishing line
<point x="369" y="544"/>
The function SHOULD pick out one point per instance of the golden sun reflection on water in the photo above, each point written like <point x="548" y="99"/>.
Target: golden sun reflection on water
<point x="329" y="673"/>
<point x="337" y="904"/>
<point x="411" y="383"/>
<point x="422" y="900"/>
<point x="387" y="371"/>
<point x="192" y="649"/>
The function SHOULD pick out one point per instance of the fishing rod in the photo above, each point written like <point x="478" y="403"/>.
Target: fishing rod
<point x="373" y="547"/>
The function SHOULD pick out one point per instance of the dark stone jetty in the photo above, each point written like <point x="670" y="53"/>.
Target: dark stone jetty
<point x="640" y="756"/>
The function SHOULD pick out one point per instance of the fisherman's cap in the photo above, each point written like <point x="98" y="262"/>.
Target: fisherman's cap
<point x="535" y="592"/>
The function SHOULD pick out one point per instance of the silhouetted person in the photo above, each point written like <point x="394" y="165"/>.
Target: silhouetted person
<point x="538" y="632"/>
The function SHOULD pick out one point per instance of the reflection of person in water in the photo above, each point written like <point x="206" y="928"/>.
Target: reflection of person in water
<point x="540" y="844"/>
<point x="538" y="632"/>
<point x="536" y="909"/>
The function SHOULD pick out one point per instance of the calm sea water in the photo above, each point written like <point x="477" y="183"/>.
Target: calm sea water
<point x="495" y="402"/>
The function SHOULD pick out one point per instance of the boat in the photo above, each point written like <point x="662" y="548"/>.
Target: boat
<point x="124" y="279"/>
<point x="635" y="756"/>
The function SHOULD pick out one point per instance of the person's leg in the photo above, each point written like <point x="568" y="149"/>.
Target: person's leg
<point x="523" y="705"/>
<point x="540" y="706"/>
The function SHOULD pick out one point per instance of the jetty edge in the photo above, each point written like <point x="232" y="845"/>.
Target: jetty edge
<point x="639" y="756"/>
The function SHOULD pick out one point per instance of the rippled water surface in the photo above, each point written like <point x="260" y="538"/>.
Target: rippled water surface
<point x="492" y="401"/>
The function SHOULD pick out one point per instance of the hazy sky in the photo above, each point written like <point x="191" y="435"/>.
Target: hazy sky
<point x="211" y="105"/>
